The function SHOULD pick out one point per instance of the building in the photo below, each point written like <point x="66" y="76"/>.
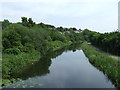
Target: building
<point x="119" y="15"/>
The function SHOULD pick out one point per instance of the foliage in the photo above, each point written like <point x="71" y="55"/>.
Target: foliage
<point x="13" y="63"/>
<point x="24" y="21"/>
<point x="105" y="63"/>
<point x="74" y="37"/>
<point x="26" y="41"/>
<point x="10" y="39"/>
<point x="109" y="42"/>
<point x="13" y="50"/>
<point x="27" y="22"/>
<point x="5" y="24"/>
<point x="23" y="42"/>
<point x="19" y="83"/>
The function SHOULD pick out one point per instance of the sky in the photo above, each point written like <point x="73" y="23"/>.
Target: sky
<point x="96" y="15"/>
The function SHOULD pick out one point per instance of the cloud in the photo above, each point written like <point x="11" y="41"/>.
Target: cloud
<point x="59" y="1"/>
<point x="97" y="15"/>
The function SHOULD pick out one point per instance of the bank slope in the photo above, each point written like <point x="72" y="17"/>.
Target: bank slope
<point x="108" y="65"/>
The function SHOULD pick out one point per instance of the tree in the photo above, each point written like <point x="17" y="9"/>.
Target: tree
<point x="11" y="39"/>
<point x="24" y="21"/>
<point x="42" y="25"/>
<point x="74" y="29"/>
<point x="60" y="29"/>
<point x="5" y="24"/>
<point x="30" y="22"/>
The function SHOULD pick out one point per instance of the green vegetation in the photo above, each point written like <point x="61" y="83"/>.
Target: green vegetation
<point x="26" y="41"/>
<point x="109" y="42"/>
<point x="104" y="63"/>
<point x="20" y="83"/>
<point x="14" y="63"/>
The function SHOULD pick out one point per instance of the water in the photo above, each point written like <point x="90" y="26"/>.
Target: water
<point x="64" y="69"/>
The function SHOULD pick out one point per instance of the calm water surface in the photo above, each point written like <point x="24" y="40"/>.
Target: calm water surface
<point x="65" y="69"/>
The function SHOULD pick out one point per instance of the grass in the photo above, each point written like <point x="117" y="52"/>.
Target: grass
<point x="108" y="65"/>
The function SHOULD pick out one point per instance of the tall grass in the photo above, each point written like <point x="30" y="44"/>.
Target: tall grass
<point x="108" y="65"/>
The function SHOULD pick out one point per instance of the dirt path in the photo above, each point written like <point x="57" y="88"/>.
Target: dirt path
<point x="113" y="56"/>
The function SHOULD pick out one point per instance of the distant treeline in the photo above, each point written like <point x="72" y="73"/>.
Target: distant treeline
<point x="109" y="42"/>
<point x="27" y="35"/>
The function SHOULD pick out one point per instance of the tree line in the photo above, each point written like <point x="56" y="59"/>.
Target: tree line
<point x="26" y="36"/>
<point x="109" y="42"/>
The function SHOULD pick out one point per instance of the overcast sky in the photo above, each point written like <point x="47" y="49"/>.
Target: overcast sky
<point x="96" y="15"/>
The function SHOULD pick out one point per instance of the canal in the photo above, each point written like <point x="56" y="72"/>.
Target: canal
<point x="64" y="68"/>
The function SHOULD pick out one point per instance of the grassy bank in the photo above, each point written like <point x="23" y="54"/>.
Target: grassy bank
<point x="108" y="65"/>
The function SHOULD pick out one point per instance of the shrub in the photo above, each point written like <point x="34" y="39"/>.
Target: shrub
<point x="28" y="48"/>
<point x="13" y="50"/>
<point x="10" y="38"/>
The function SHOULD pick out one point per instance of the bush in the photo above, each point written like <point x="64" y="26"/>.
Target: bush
<point x="28" y="48"/>
<point x="13" y="50"/>
<point x="56" y="44"/>
<point x="10" y="38"/>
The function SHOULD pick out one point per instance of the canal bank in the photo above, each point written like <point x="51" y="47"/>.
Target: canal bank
<point x="108" y="65"/>
<point x="14" y="64"/>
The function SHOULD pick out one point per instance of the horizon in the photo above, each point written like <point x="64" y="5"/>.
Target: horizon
<point x="99" y="16"/>
<point x="60" y="26"/>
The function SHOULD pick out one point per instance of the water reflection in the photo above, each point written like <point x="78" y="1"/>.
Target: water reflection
<point x="69" y="70"/>
<point x="41" y="67"/>
<point x="37" y="69"/>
